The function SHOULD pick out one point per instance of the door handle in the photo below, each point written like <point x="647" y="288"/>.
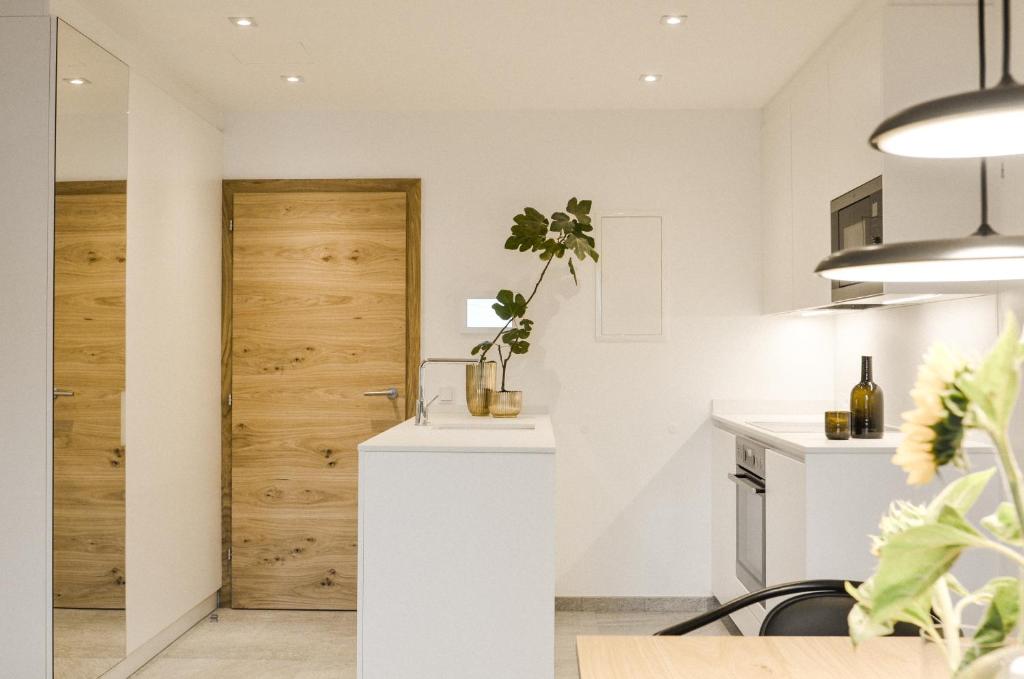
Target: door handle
<point x="391" y="393"/>
<point x="745" y="481"/>
<point x="61" y="392"/>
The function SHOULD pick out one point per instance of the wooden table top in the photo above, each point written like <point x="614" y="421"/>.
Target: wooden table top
<point x="753" y="658"/>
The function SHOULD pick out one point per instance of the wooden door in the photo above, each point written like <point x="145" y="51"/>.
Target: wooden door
<point x="88" y="359"/>
<point x="319" y="317"/>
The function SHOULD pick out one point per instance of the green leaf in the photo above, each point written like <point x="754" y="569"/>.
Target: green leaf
<point x="572" y="205"/>
<point x="483" y="346"/>
<point x="999" y="619"/>
<point x="519" y="347"/>
<point x="504" y="306"/>
<point x="1004" y="524"/>
<point x="916" y="611"/>
<point x="992" y="388"/>
<point x="948" y="516"/>
<point x="583" y="208"/>
<point x="862" y="627"/>
<point x="572" y="270"/>
<point x="910" y="562"/>
<point x="535" y="216"/>
<point x="509" y="305"/>
<point x="960" y="494"/>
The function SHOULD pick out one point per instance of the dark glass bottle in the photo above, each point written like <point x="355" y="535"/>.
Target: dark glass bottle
<point x="867" y="405"/>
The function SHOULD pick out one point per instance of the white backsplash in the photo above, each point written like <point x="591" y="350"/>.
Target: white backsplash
<point x="898" y="337"/>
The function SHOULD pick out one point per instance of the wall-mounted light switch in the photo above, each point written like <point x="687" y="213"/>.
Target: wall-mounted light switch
<point x="447" y="395"/>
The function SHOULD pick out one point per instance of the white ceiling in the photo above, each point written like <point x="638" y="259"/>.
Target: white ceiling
<point x="479" y="54"/>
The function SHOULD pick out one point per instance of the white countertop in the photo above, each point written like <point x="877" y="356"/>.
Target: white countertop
<point x="531" y="434"/>
<point x="800" y="444"/>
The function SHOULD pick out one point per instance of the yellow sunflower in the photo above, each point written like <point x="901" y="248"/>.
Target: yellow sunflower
<point x="933" y="432"/>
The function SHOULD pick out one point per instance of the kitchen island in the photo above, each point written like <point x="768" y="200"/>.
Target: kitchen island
<point x="457" y="550"/>
<point x="820" y="500"/>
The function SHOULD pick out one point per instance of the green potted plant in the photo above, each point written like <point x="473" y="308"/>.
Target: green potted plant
<point x="563" y="235"/>
<point x="918" y="544"/>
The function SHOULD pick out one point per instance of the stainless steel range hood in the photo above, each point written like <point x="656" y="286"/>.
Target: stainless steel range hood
<point x="863" y="296"/>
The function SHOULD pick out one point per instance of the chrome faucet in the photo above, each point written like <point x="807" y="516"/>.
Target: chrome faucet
<point x="421" y="403"/>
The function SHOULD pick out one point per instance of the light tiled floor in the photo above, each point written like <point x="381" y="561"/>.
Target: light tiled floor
<point x="86" y="642"/>
<point x="318" y="645"/>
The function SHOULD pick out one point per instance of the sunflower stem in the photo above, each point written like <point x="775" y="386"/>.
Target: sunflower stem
<point x="1011" y="471"/>
<point x="950" y="623"/>
<point x="1012" y="477"/>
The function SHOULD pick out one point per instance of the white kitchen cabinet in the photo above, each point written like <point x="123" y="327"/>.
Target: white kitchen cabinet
<point x="457" y="551"/>
<point x="884" y="58"/>
<point x="777" y="206"/>
<point x="1006" y="185"/>
<point x="724" y="584"/>
<point x="812" y="240"/>
<point x="854" y="56"/>
<point x="785" y="518"/>
<point x="814" y="147"/>
<point x="823" y="501"/>
<point x="929" y="51"/>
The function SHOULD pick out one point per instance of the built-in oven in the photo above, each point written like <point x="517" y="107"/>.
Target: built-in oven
<point x="750" y="515"/>
<point x="856" y="223"/>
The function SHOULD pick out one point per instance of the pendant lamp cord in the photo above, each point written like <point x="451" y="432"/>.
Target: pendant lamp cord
<point x="1007" y="78"/>
<point x="982" y="65"/>
<point x="985" y="229"/>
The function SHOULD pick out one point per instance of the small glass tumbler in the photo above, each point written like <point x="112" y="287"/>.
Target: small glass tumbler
<point x="837" y="424"/>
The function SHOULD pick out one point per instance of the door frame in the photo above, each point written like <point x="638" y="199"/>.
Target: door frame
<point x="232" y="187"/>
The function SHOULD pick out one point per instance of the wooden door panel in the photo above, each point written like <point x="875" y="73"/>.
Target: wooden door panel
<point x="88" y="357"/>
<point x="318" y="317"/>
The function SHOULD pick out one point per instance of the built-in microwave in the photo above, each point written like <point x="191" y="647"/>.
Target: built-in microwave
<point x="856" y="223"/>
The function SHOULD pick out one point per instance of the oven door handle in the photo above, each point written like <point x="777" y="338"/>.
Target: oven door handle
<point x="744" y="480"/>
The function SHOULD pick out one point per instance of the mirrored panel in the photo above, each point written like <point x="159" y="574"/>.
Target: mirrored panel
<point x="89" y="580"/>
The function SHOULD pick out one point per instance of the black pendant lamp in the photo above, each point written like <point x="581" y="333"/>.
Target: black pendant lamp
<point x="987" y="122"/>
<point x="983" y="256"/>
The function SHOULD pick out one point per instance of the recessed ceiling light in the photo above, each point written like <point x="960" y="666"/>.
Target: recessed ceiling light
<point x="77" y="81"/>
<point x="243" y="22"/>
<point x="650" y="77"/>
<point x="293" y="79"/>
<point x="673" y="19"/>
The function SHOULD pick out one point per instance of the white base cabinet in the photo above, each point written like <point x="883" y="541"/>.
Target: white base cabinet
<point x="819" y="514"/>
<point x="456" y="554"/>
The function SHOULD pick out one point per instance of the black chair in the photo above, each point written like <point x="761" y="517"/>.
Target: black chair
<point x="818" y="608"/>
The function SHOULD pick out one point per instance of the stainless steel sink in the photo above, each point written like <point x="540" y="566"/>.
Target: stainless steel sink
<point x="483" y="424"/>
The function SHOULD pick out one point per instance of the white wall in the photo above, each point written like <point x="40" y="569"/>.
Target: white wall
<point x="898" y="338"/>
<point x="173" y="354"/>
<point x="26" y="293"/>
<point x="173" y="361"/>
<point x="631" y="419"/>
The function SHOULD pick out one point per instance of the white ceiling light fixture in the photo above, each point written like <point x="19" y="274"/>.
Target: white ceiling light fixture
<point x="976" y="124"/>
<point x="985" y="255"/>
<point x="243" y="22"/>
<point x="650" y="77"/>
<point x="293" y="79"/>
<point x="77" y="82"/>
<point x="672" y="19"/>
